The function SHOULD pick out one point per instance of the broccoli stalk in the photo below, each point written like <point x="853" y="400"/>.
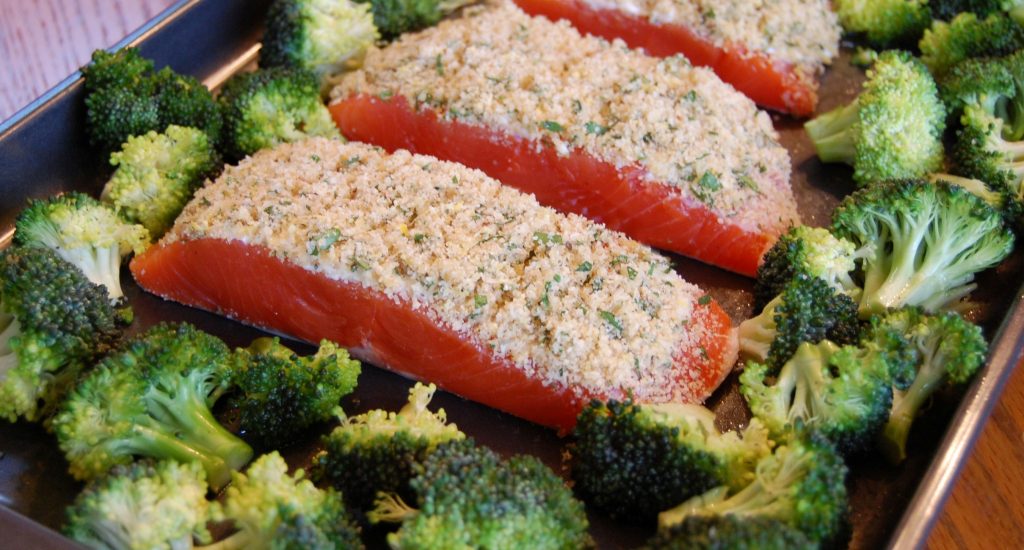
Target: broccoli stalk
<point x="892" y="130"/>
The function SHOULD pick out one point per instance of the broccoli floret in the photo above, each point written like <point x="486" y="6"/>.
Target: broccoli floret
<point x="802" y="484"/>
<point x="376" y="451"/>
<point x="894" y="127"/>
<point x="985" y="83"/>
<point x="968" y="36"/>
<point x="923" y="242"/>
<point x="272" y="106"/>
<point x="280" y="394"/>
<point x="884" y="23"/>
<point x="983" y="151"/>
<point x="950" y="350"/>
<point x="142" y="506"/>
<point x="949" y="9"/>
<point x="53" y="324"/>
<point x="469" y="497"/>
<point x="157" y="174"/>
<point x="395" y="17"/>
<point x="271" y="509"/>
<point x="84" y="232"/>
<point x="322" y="36"/>
<point x="152" y="398"/>
<point x="636" y="460"/>
<point x="807" y="310"/>
<point x="978" y="188"/>
<point x="730" y="533"/>
<point x="123" y="69"/>
<point x="812" y="251"/>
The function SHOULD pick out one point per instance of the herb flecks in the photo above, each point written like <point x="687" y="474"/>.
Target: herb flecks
<point x="324" y="241"/>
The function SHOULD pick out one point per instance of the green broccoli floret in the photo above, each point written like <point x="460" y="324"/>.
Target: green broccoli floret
<point x="279" y="394"/>
<point x="949" y="9"/>
<point x="634" y="461"/>
<point x="807" y="310"/>
<point x="395" y="17"/>
<point x="950" y="350"/>
<point x="802" y="484"/>
<point x="968" y="36"/>
<point x="985" y="83"/>
<point x="884" y="23"/>
<point x="53" y="324"/>
<point x="84" y="232"/>
<point x="978" y="188"/>
<point x="157" y="174"/>
<point x="141" y="506"/>
<point x="272" y="106"/>
<point x="271" y="509"/>
<point x="983" y="151"/>
<point x="730" y="533"/>
<point x="469" y="497"/>
<point x="322" y="36"/>
<point x="376" y="451"/>
<point x="894" y="127"/>
<point x="812" y="251"/>
<point x="152" y="398"/>
<point x="922" y="242"/>
<point x="127" y="98"/>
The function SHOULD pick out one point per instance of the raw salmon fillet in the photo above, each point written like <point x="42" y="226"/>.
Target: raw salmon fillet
<point x="438" y="272"/>
<point x="771" y="50"/>
<point x="662" y="151"/>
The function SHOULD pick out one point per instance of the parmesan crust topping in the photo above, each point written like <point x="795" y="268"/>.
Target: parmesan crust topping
<point x="560" y="297"/>
<point x="540" y="80"/>
<point x="804" y="33"/>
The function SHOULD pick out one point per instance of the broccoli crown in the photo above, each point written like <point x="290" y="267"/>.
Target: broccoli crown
<point x="729" y="532"/>
<point x="469" y="497"/>
<point x="272" y="106"/>
<point x="152" y="398"/>
<point x="150" y="101"/>
<point x="985" y="83"/>
<point x="279" y="394"/>
<point x="983" y="151"/>
<point x="376" y="451"/>
<point x="394" y="17"/>
<point x="802" y="483"/>
<point x="142" y="505"/>
<point x="636" y="460"/>
<point x="894" y="127"/>
<point x="84" y="232"/>
<point x="807" y="310"/>
<point x="53" y="323"/>
<point x="884" y="23"/>
<point x="949" y="351"/>
<point x="271" y="509"/>
<point x="948" y="9"/>
<point x="946" y="44"/>
<point x="157" y="174"/>
<point x="323" y="36"/>
<point x="813" y="251"/>
<point x="922" y="242"/>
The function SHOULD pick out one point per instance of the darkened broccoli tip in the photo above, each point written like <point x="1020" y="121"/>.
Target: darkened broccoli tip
<point x="279" y="394"/>
<point x="921" y="242"/>
<point x="270" y="509"/>
<point x="142" y="505"/>
<point x="729" y="533"/>
<point x="884" y="23"/>
<point x="85" y="232"/>
<point x="968" y="36"/>
<point x="272" y="106"/>
<point x="53" y="324"/>
<point x="128" y="98"/>
<point x="802" y="483"/>
<point x="152" y="398"/>
<point x="948" y="9"/>
<point x="635" y="461"/>
<point x="949" y="351"/>
<point x="469" y="497"/>
<point x="894" y="127"/>
<point x="812" y="251"/>
<point x="156" y="175"/>
<point x="807" y="310"/>
<point x="377" y="451"/>
<point x="395" y="17"/>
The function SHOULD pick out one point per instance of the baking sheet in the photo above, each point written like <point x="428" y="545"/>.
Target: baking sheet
<point x="44" y="151"/>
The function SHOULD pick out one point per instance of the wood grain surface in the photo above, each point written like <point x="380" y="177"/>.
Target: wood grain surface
<point x="43" y="41"/>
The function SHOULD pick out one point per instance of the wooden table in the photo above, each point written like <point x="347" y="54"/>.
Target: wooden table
<point x="42" y="41"/>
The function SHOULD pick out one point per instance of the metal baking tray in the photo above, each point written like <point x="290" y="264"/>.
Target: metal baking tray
<point x="43" y="151"/>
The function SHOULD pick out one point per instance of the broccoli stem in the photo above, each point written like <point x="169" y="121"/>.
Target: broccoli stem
<point x="905" y="405"/>
<point x="161" y="442"/>
<point x="833" y="135"/>
<point x="101" y="265"/>
<point x="892" y="279"/>
<point x="390" y="508"/>
<point x="807" y="381"/>
<point x="756" y="334"/>
<point x="237" y="541"/>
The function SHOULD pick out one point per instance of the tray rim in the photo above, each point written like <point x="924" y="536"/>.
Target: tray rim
<point x="1006" y="348"/>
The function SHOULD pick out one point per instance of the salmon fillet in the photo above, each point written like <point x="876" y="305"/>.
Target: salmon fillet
<point x="439" y="273"/>
<point x="662" y="151"/>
